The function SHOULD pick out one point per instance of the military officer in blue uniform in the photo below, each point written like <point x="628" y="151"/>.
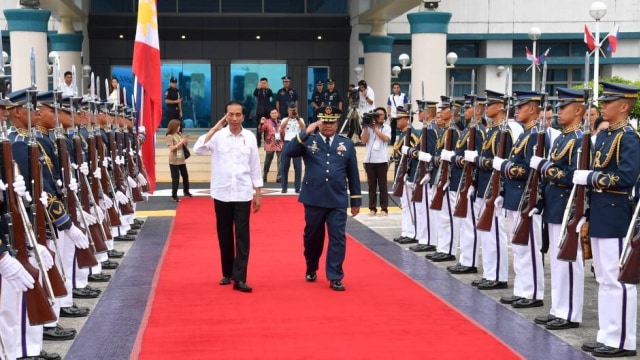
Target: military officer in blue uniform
<point x="318" y="95"/>
<point x="614" y="172"/>
<point x="286" y="96"/>
<point x="331" y="96"/>
<point x="331" y="168"/>
<point x="567" y="277"/>
<point x="528" y="287"/>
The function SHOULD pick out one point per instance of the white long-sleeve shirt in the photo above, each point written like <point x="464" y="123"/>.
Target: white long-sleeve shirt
<point x="235" y="164"/>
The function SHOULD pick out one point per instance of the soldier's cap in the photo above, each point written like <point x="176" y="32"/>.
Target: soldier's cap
<point x="458" y="103"/>
<point x="5" y="102"/>
<point x="173" y="79"/>
<point x="424" y="104"/>
<point x="445" y="102"/>
<point x="330" y="81"/>
<point x="18" y="98"/>
<point x="523" y="97"/>
<point x="319" y="82"/>
<point x="494" y="97"/>
<point x="286" y="78"/>
<point x="567" y="96"/>
<point x="328" y="113"/>
<point x="401" y="112"/>
<point x="613" y="91"/>
<point x="468" y="99"/>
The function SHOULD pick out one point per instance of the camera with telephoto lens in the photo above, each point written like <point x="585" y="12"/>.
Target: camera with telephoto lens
<point x="369" y="118"/>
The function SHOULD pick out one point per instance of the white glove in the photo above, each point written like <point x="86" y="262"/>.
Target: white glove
<point x="88" y="218"/>
<point x="98" y="213"/>
<point x="44" y="199"/>
<point x="132" y="183"/>
<point x="106" y="203"/>
<point x="424" y="156"/>
<point x="78" y="237"/>
<point x="119" y="160"/>
<point x="535" y="161"/>
<point x="141" y="129"/>
<point x="45" y="256"/>
<point x="3" y="186"/>
<point x="533" y="212"/>
<point x="97" y="174"/>
<point x="471" y="192"/>
<point x="499" y="202"/>
<point x="132" y="153"/>
<point x="105" y="162"/>
<point x="580" y="223"/>
<point x="447" y="155"/>
<point x="497" y="163"/>
<point x="19" y="186"/>
<point x="73" y="185"/>
<point x="404" y="178"/>
<point x="580" y="177"/>
<point x="12" y="271"/>
<point x="405" y="150"/>
<point x="470" y="156"/>
<point x="121" y="198"/>
<point x="142" y="180"/>
<point x="446" y="186"/>
<point x="84" y="168"/>
<point x="425" y="179"/>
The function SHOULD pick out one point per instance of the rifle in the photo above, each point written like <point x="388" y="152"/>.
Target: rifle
<point x="443" y="170"/>
<point x="106" y="184"/>
<point x="398" y="182"/>
<point x="521" y="233"/>
<point x="630" y="259"/>
<point x="418" y="188"/>
<point x="132" y="169"/>
<point x="462" y="200"/>
<point x="118" y="176"/>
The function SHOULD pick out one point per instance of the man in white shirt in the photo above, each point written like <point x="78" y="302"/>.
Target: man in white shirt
<point x="289" y="129"/>
<point x="396" y="99"/>
<point x="67" y="85"/>
<point x="237" y="181"/>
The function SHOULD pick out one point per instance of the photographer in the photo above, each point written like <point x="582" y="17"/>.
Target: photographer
<point x="375" y="136"/>
<point x="289" y="129"/>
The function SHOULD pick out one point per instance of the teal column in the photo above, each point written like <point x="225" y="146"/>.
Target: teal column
<point x="66" y="42"/>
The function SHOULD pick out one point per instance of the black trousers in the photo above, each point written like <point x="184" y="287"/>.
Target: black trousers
<point x="232" y="224"/>
<point x="394" y="126"/>
<point x="176" y="172"/>
<point x="335" y="221"/>
<point x="377" y="180"/>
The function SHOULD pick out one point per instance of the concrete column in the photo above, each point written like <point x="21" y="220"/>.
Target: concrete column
<point x="428" y="54"/>
<point x="28" y="29"/>
<point x="377" y="65"/>
<point x="69" y="46"/>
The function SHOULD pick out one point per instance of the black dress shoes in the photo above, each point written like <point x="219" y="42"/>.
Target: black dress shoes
<point x="611" y="352"/>
<point x="475" y="283"/>
<point x="493" y="285"/>
<point x="509" y="299"/>
<point x="124" y="238"/>
<point x="99" y="277"/>
<point x="399" y="238"/>
<point x="242" y="286"/>
<point x="49" y="356"/>
<point x="187" y="194"/>
<point x="442" y="258"/>
<point x="336" y="285"/>
<point x="311" y="276"/>
<point x="527" y="303"/>
<point x="544" y="319"/>
<point x="138" y="221"/>
<point x="225" y="280"/>
<point x="74" y="312"/>
<point x="561" y="324"/>
<point x="590" y="346"/>
<point x="461" y="269"/>
<point x="132" y="232"/>
<point x="407" y="240"/>
<point x="109" y="265"/>
<point x="422" y="248"/>
<point x="135" y="226"/>
<point x="85" y="294"/>
<point x="115" y="254"/>
<point x="58" y="333"/>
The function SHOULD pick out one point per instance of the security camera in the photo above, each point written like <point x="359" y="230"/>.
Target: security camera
<point x="431" y="5"/>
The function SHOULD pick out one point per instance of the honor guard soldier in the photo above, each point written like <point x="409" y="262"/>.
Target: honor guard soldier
<point x="286" y="96"/>
<point x="614" y="173"/>
<point x="567" y="277"/>
<point x="173" y="99"/>
<point x="331" y="167"/>
<point x="495" y="259"/>
<point x="409" y="154"/>
<point x="528" y="288"/>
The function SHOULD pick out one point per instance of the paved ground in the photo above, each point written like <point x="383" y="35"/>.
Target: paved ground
<point x="388" y="227"/>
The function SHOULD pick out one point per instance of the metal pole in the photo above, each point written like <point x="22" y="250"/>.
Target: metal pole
<point x="533" y="67"/>
<point x="596" y="65"/>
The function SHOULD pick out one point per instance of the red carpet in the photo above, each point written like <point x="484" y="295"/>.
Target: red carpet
<point x="382" y="315"/>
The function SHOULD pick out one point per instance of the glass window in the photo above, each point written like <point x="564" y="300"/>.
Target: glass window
<point x="101" y="6"/>
<point x="315" y="73"/>
<point x="284" y="6"/>
<point x="198" y="6"/>
<point x="166" y="6"/>
<point x="244" y="6"/>
<point x="327" y="6"/>
<point x="462" y="82"/>
<point x="244" y="80"/>
<point x="464" y="50"/>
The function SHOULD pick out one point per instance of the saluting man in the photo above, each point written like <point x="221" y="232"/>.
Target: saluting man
<point x="331" y="167"/>
<point x="615" y="169"/>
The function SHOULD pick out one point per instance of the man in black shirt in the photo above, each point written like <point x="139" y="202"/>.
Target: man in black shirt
<point x="263" y="95"/>
<point x="173" y="99"/>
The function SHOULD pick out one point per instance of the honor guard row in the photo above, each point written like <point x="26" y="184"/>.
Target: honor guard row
<point x="499" y="184"/>
<point x="70" y="177"/>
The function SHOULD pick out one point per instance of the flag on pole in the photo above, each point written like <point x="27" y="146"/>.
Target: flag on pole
<point x="613" y="39"/>
<point x="146" y="67"/>
<point x="543" y="57"/>
<point x="530" y="56"/>
<point x="588" y="39"/>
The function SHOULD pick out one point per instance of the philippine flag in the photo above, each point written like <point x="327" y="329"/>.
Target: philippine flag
<point x="588" y="39"/>
<point x="613" y="39"/>
<point x="146" y="67"/>
<point x="530" y="56"/>
<point x="543" y="57"/>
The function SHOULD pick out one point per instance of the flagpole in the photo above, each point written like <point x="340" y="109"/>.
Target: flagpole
<point x="597" y="11"/>
<point x="534" y="34"/>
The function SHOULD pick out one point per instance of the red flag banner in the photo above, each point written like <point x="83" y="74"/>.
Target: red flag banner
<point x="146" y="66"/>
<point x="588" y="39"/>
